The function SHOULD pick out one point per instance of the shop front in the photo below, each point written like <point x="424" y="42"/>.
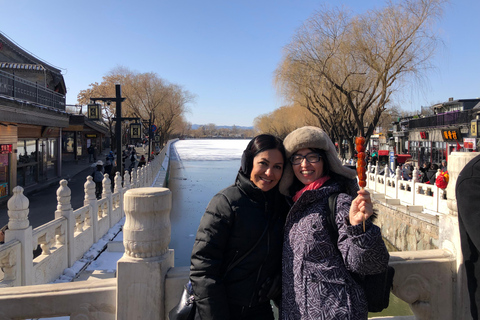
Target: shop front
<point x="5" y="154"/>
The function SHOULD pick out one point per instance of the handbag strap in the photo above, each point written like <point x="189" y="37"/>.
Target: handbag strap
<point x="236" y="262"/>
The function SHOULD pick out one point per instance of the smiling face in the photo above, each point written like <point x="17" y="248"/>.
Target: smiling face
<point x="267" y="169"/>
<point x="307" y="172"/>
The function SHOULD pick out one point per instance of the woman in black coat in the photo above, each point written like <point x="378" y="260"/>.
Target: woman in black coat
<point x="432" y="174"/>
<point x="229" y="279"/>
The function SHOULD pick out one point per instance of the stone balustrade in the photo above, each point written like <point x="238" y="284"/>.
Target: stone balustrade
<point x="66" y="239"/>
<point x="410" y="193"/>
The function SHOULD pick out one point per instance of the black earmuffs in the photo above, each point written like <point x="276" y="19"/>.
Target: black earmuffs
<point x="247" y="162"/>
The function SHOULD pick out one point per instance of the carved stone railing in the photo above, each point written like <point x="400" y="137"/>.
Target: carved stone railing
<point x="66" y="239"/>
<point x="425" y="280"/>
<point x="410" y="193"/>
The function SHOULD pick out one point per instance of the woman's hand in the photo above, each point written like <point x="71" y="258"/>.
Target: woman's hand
<point x="361" y="208"/>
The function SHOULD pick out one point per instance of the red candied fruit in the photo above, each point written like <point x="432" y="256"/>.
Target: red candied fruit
<point x="360" y="148"/>
<point x="361" y="155"/>
<point x="359" y="140"/>
<point x="362" y="183"/>
<point x="361" y="162"/>
<point x="361" y="173"/>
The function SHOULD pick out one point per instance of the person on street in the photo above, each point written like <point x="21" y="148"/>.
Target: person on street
<point x="91" y="151"/>
<point x="236" y="256"/>
<point x="142" y="161"/>
<point x="109" y="164"/>
<point x="316" y="278"/>
<point x="443" y="167"/>
<point x="98" y="178"/>
<point x="133" y="160"/>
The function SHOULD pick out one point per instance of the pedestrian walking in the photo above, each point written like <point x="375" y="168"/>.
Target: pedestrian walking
<point x="97" y="175"/>
<point x="91" y="151"/>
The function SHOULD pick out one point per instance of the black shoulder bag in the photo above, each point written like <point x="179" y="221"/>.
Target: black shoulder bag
<point x="185" y="309"/>
<point x="376" y="286"/>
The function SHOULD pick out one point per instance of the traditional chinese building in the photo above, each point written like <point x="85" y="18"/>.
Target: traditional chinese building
<point x="32" y="115"/>
<point x="452" y="128"/>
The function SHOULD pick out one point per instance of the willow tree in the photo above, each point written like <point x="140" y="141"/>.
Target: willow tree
<point x="284" y="120"/>
<point x="344" y="67"/>
<point x="147" y="97"/>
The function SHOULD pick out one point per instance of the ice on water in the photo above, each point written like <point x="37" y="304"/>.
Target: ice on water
<point x="210" y="149"/>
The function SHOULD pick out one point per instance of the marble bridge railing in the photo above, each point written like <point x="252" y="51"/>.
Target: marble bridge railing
<point x="412" y="193"/>
<point x="66" y="239"/>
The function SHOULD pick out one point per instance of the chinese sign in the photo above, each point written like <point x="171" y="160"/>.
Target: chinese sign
<point x="135" y="131"/>
<point x="451" y="135"/>
<point x="473" y="128"/>
<point x="94" y="111"/>
<point x="423" y="135"/>
<point x="469" y="143"/>
<point x="5" y="148"/>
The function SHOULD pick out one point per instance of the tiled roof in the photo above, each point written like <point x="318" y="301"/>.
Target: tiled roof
<point x="21" y="66"/>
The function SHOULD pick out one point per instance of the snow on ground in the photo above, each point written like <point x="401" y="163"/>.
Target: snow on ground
<point x="91" y="255"/>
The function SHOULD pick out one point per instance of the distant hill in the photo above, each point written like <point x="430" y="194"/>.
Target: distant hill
<point x="196" y="126"/>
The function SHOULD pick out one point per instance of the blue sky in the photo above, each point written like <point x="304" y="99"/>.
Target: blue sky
<point x="224" y="52"/>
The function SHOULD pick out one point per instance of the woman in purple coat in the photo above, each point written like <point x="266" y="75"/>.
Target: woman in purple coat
<point x="316" y="279"/>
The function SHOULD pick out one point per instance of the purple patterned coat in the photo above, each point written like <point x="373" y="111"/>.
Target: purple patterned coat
<point x="316" y="283"/>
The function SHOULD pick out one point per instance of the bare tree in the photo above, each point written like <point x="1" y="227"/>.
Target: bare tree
<point x="148" y="97"/>
<point x="343" y="68"/>
<point x="282" y="121"/>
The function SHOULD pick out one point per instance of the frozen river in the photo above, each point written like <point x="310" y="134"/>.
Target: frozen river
<point x="199" y="169"/>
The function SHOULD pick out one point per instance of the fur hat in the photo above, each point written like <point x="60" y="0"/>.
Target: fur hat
<point x="311" y="138"/>
<point x="99" y="163"/>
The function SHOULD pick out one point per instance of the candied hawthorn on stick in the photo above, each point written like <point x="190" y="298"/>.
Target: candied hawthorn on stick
<point x="361" y="172"/>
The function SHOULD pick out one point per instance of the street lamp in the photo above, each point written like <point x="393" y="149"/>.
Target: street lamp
<point x="118" y="120"/>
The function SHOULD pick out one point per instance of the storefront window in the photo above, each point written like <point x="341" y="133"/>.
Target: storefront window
<point x="27" y="162"/>
<point x="68" y="140"/>
<point x="5" y="151"/>
<point x="51" y="158"/>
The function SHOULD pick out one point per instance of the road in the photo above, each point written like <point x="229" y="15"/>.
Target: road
<point x="44" y="202"/>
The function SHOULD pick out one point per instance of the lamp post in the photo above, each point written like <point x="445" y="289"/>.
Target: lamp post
<point x="118" y="121"/>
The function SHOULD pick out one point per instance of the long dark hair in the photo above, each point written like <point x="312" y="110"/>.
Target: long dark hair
<point x="260" y="143"/>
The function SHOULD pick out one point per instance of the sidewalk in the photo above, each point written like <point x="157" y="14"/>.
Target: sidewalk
<point x="69" y="169"/>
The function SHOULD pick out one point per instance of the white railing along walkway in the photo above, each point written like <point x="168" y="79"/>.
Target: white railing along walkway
<point x="72" y="233"/>
<point x="412" y="193"/>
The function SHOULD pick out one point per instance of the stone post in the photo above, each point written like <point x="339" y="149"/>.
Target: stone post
<point x="64" y="209"/>
<point x="120" y="190"/>
<point x="126" y="180"/>
<point x="19" y="229"/>
<point x="415" y="175"/>
<point x="449" y="235"/>
<point x="91" y="200"/>
<point x="398" y="174"/>
<point x="134" y="178"/>
<point x="107" y="193"/>
<point x="142" y="269"/>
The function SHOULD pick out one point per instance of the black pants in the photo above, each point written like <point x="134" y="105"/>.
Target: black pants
<point x="263" y="311"/>
<point x="98" y="190"/>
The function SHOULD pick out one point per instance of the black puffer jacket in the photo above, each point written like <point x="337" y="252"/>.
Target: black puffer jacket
<point x="233" y="222"/>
